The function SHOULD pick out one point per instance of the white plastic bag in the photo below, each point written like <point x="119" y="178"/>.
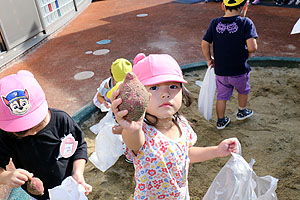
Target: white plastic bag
<point x="68" y="190"/>
<point x="296" y="28"/>
<point x="238" y="181"/>
<point x="106" y="120"/>
<point x="207" y="93"/>
<point x="108" y="146"/>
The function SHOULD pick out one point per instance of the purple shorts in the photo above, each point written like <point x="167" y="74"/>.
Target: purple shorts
<point x="225" y="85"/>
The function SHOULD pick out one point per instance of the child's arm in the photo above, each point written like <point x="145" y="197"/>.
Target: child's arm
<point x="132" y="130"/>
<point x="200" y="154"/>
<point x="102" y="100"/>
<point x="78" y="169"/>
<point x="14" y="178"/>
<point x="251" y="45"/>
<point x="206" y="52"/>
<point x="102" y="90"/>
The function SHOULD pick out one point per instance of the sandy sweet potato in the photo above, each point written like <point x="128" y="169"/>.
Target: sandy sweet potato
<point x="35" y="186"/>
<point x="135" y="97"/>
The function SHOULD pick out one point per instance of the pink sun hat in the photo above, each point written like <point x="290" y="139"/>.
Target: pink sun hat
<point x="23" y="103"/>
<point x="157" y="68"/>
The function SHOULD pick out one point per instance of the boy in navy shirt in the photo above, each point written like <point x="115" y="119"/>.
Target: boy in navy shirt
<point x="233" y="38"/>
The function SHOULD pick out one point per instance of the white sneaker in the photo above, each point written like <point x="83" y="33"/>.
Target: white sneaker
<point x="297" y="2"/>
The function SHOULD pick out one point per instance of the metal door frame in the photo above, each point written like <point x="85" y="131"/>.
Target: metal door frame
<point x="2" y="41"/>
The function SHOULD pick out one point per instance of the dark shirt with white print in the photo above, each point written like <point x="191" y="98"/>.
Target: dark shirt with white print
<point x="229" y="36"/>
<point x="39" y="153"/>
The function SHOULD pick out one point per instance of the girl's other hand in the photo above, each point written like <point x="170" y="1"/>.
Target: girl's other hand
<point x="227" y="146"/>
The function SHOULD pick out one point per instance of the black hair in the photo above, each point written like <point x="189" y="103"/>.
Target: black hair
<point x="237" y="7"/>
<point x="187" y="100"/>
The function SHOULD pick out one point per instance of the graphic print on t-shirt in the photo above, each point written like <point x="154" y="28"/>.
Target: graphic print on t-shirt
<point x="231" y="28"/>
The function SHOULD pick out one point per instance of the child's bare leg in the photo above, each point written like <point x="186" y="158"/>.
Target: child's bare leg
<point x="220" y="108"/>
<point x="242" y="99"/>
<point x="243" y="112"/>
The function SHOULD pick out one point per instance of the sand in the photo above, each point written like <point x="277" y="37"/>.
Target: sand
<point x="271" y="137"/>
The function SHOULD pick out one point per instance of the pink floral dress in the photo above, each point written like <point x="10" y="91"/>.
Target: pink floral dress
<point x="161" y="166"/>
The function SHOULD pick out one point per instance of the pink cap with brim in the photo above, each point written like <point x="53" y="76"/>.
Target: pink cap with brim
<point x="23" y="103"/>
<point x="157" y="68"/>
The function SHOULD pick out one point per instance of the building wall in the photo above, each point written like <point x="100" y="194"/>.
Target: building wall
<point x="23" y="24"/>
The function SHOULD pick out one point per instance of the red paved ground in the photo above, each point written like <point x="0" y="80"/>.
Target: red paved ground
<point x="173" y="28"/>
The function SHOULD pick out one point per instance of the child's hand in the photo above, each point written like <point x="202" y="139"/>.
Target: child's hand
<point x="117" y="129"/>
<point x="17" y="177"/>
<point x="227" y="146"/>
<point x="80" y="180"/>
<point x="211" y="62"/>
<point x="132" y="130"/>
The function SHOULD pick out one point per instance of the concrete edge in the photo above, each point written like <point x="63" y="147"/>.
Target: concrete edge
<point x="85" y="112"/>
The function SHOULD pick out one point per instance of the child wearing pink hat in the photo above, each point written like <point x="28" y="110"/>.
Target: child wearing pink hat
<point x="42" y="142"/>
<point x="161" y="142"/>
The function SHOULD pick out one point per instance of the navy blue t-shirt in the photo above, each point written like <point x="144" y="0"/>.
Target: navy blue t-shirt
<point x="229" y="36"/>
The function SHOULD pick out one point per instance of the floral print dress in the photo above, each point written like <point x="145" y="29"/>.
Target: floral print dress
<point x="161" y="166"/>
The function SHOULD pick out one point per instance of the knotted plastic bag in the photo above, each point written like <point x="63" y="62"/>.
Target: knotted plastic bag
<point x="207" y="93"/>
<point x="108" y="146"/>
<point x="238" y="181"/>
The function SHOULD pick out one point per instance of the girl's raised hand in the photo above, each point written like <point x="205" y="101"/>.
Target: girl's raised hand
<point x="132" y="130"/>
<point x="129" y="126"/>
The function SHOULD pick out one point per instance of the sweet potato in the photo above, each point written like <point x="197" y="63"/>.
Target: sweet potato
<point x="135" y="97"/>
<point x="35" y="186"/>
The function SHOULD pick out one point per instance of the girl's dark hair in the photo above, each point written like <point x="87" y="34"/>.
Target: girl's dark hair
<point x="187" y="99"/>
<point x="235" y="7"/>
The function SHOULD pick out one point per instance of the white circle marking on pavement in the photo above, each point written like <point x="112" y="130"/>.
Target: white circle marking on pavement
<point x="101" y="52"/>
<point x="84" y="75"/>
<point x="88" y="52"/>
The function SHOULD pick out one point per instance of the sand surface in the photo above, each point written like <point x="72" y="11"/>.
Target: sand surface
<point x="271" y="137"/>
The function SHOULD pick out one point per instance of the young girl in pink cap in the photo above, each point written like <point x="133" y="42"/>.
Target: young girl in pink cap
<point x="161" y="142"/>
